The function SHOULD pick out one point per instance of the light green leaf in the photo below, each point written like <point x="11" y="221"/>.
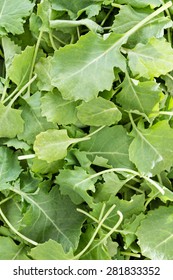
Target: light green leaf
<point x="140" y="96"/>
<point x="51" y="216"/>
<point x="155" y="147"/>
<point x="19" y="71"/>
<point x="52" y="144"/>
<point x="42" y="167"/>
<point x="111" y="143"/>
<point x="50" y="250"/>
<point x="13" y="14"/>
<point x="58" y="110"/>
<point x="157" y="246"/>
<point x="9" y="165"/>
<point x="98" y="112"/>
<point x="130" y="227"/>
<point x="155" y="27"/>
<point x="111" y="186"/>
<point x="42" y="69"/>
<point x="86" y="71"/>
<point x="44" y="12"/>
<point x="11" y="122"/>
<point x="141" y="3"/>
<point x="76" y="7"/>
<point x="10" y="50"/>
<point x="74" y="184"/>
<point x="34" y="122"/>
<point x="151" y="60"/>
<point x="15" y="143"/>
<point x="11" y="251"/>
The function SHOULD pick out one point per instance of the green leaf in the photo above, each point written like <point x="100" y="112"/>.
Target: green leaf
<point x="157" y="246"/>
<point x="11" y="122"/>
<point x="58" y="110"/>
<point x="34" y="122"/>
<point x="83" y="61"/>
<point x="130" y="227"/>
<point x="111" y="186"/>
<point x="154" y="28"/>
<point x="19" y="72"/>
<point x="155" y="147"/>
<point x="51" y="216"/>
<point x="151" y="60"/>
<point x="140" y="96"/>
<point x="12" y="15"/>
<point x="44" y="12"/>
<point x="9" y="165"/>
<point x="98" y="112"/>
<point x="10" y="250"/>
<point x="74" y="184"/>
<point x="50" y="250"/>
<point x="141" y="3"/>
<point x="111" y="143"/>
<point x="42" y="69"/>
<point x="52" y="144"/>
<point x="41" y="166"/>
<point x="10" y="50"/>
<point x="76" y="7"/>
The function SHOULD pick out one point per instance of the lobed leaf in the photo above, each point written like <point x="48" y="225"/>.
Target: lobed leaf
<point x="151" y="60"/>
<point x="140" y="96"/>
<point x="156" y="151"/>
<point x="12" y="15"/>
<point x="159" y="222"/>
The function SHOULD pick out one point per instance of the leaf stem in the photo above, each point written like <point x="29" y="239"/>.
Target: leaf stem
<point x="34" y="60"/>
<point x="26" y="157"/>
<point x="6" y="199"/>
<point x="15" y="231"/>
<point x="126" y="170"/>
<point x="110" y="232"/>
<point x="6" y="85"/>
<point x="20" y="91"/>
<point x="95" y="233"/>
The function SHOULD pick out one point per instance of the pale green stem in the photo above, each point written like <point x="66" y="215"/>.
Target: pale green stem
<point x="117" y="5"/>
<point x="15" y="231"/>
<point x="5" y="90"/>
<point x="52" y="41"/>
<point x="150" y="199"/>
<point x="103" y="225"/>
<point x="26" y="157"/>
<point x="102" y="211"/>
<point x="166" y="113"/>
<point x="106" y="17"/>
<point x="133" y="188"/>
<point x="20" y="91"/>
<point x="6" y="199"/>
<point x="155" y="184"/>
<point x="95" y="233"/>
<point x="34" y="60"/>
<point x="94" y="132"/>
<point x="110" y="232"/>
<point x="130" y="254"/>
<point x="120" y="170"/>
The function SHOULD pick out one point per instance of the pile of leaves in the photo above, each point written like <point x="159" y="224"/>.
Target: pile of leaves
<point x="86" y="129"/>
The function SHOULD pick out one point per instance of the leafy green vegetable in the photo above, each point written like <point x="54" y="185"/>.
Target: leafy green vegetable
<point x="160" y="247"/>
<point x="12" y="15"/>
<point x="86" y="130"/>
